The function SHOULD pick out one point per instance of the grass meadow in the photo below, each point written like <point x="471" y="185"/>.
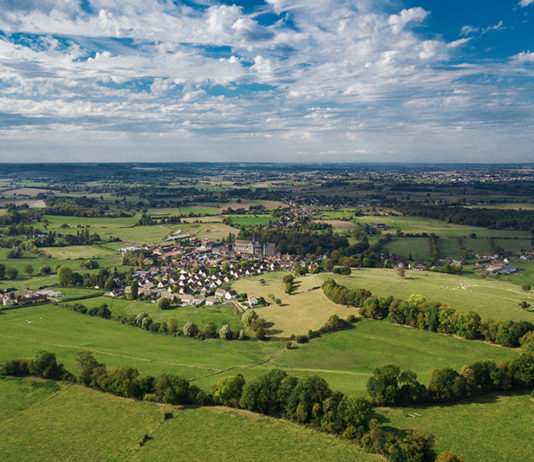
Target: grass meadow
<point x="72" y="423"/>
<point x="491" y="428"/>
<point x="219" y="314"/>
<point x="491" y="298"/>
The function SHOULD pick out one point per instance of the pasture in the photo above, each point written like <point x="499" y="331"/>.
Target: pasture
<point x="307" y="308"/>
<point x="69" y="422"/>
<point x="346" y="359"/>
<point x="491" y="298"/>
<point x="219" y="314"/>
<point x="491" y="428"/>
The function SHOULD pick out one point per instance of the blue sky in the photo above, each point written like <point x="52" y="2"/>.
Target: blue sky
<point x="273" y="80"/>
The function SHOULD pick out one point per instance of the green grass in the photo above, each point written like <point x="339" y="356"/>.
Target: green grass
<point x="346" y="359"/>
<point x="491" y="298"/>
<point x="242" y="436"/>
<point x="24" y="331"/>
<point x="416" y="247"/>
<point x="493" y="428"/>
<point x="73" y="423"/>
<point x="219" y="314"/>
<point x="417" y="225"/>
<point x="250" y="220"/>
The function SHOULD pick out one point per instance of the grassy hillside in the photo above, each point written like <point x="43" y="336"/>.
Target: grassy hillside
<point x="307" y="308"/>
<point x="493" y="428"/>
<point x="346" y="359"/>
<point x="491" y="298"/>
<point x="72" y="423"/>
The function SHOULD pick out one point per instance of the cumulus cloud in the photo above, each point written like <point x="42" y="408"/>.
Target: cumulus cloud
<point x="526" y="2"/>
<point x="315" y="72"/>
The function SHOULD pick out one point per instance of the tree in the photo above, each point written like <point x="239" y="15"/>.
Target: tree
<point x="228" y="390"/>
<point x="172" y="326"/>
<point x="45" y="270"/>
<point x="447" y="456"/>
<point x="248" y="317"/>
<point x="15" y="252"/>
<point x="28" y="269"/>
<point x="12" y="273"/>
<point x="442" y="383"/>
<point x="225" y="332"/>
<point x="401" y="270"/>
<point x="134" y="290"/>
<point x="164" y="303"/>
<point x="65" y="276"/>
<point x="190" y="329"/>
<point x="383" y="386"/>
<point x="2" y="271"/>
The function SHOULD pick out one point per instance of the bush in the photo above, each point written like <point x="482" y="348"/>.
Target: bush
<point x="225" y="332"/>
<point x="164" y="303"/>
<point x="190" y="329"/>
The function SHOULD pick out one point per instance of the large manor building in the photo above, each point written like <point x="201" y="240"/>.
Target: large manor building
<point x="254" y="247"/>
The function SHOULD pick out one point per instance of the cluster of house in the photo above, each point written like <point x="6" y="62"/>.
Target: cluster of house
<point x="493" y="266"/>
<point x="23" y="297"/>
<point x="198" y="273"/>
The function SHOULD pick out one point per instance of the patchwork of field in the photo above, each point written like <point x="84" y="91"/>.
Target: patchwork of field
<point x="491" y="298"/>
<point x="71" y="423"/>
<point x="491" y="428"/>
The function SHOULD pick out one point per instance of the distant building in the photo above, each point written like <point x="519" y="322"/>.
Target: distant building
<point x="254" y="247"/>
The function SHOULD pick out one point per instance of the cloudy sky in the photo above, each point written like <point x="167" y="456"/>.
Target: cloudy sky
<point x="267" y="80"/>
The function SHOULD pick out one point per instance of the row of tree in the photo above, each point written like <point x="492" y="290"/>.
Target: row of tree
<point x="305" y="400"/>
<point x="391" y="386"/>
<point x="418" y="312"/>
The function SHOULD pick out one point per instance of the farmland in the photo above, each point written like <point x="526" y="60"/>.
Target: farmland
<point x="59" y="421"/>
<point x="508" y="418"/>
<point x="357" y="227"/>
<point x="491" y="298"/>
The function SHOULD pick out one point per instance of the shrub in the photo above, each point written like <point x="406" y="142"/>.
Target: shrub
<point x="190" y="329"/>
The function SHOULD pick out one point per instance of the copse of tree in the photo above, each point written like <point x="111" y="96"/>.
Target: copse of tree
<point x="164" y="303"/>
<point x="342" y="295"/>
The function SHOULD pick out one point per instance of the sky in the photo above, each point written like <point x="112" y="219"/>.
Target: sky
<point x="267" y="80"/>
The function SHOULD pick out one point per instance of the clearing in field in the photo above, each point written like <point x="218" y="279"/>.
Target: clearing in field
<point x="494" y="427"/>
<point x="307" y="308"/>
<point x="491" y="298"/>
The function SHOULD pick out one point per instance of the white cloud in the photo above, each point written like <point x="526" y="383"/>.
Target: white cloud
<point x="526" y="2"/>
<point x="328" y="71"/>
<point x="523" y="58"/>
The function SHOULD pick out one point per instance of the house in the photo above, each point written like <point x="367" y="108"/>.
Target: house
<point x="252" y="300"/>
<point x="220" y="293"/>
<point x="210" y="301"/>
<point x="231" y="295"/>
<point x="198" y="299"/>
<point x="186" y="299"/>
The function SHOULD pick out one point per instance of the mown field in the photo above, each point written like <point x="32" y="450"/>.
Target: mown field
<point x="71" y="423"/>
<point x="491" y="428"/>
<point x="307" y="308"/>
<point x="491" y="298"/>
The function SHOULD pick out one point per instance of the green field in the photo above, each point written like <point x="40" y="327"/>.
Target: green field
<point x="219" y="314"/>
<point x="72" y="423"/>
<point x="492" y="428"/>
<point x="346" y="359"/>
<point x="250" y="220"/>
<point x="418" y="225"/>
<point x="491" y="298"/>
<point x="416" y="247"/>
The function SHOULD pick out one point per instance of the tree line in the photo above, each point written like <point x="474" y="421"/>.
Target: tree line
<point x="418" y="312"/>
<point x="306" y="401"/>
